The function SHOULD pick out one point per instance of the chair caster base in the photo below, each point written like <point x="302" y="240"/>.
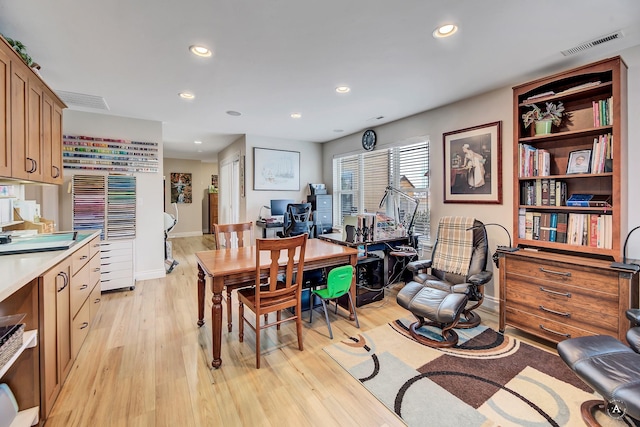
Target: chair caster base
<point x="450" y="337"/>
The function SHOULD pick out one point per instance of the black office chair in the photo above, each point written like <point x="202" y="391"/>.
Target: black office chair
<point x="296" y="220"/>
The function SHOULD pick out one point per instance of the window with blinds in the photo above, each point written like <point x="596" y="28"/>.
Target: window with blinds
<point x="360" y="181"/>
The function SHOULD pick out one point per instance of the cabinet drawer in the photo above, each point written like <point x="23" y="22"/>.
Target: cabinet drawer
<point x="541" y="327"/>
<point x="80" y="289"/>
<point x="567" y="304"/>
<point x="323" y="218"/>
<point x="79" y="258"/>
<point x="79" y="329"/>
<point x="585" y="277"/>
<point x="94" y="302"/>
<point x="94" y="246"/>
<point x="108" y="284"/>
<point x="113" y="245"/>
<point x="116" y="273"/>
<point x="115" y="257"/>
<point x="94" y="270"/>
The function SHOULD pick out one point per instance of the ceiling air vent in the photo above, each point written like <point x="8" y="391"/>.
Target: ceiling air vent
<point x="588" y="45"/>
<point x="83" y="100"/>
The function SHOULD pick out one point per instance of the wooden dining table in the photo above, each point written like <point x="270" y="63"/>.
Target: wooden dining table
<point x="238" y="265"/>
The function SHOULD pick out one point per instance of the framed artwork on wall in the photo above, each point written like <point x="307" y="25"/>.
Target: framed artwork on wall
<point x="473" y="165"/>
<point x="181" y="190"/>
<point x="276" y="169"/>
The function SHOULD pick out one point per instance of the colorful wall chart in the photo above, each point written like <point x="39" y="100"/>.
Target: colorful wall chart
<point x="111" y="155"/>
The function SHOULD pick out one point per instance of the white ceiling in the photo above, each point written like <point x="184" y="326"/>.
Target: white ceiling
<point x="275" y="57"/>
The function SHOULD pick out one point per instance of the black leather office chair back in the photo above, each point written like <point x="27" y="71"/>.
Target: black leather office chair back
<point x="296" y="219"/>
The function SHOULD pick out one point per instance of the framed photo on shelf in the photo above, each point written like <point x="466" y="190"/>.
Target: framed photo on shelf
<point x="473" y="164"/>
<point x="579" y="162"/>
<point x="276" y="169"/>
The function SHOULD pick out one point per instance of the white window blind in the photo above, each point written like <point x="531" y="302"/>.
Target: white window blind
<point x="360" y="182"/>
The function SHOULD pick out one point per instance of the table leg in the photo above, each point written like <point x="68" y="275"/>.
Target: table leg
<point x="201" y="290"/>
<point x="216" y="321"/>
<point x="352" y="290"/>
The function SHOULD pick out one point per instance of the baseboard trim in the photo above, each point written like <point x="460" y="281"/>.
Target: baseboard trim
<point x="185" y="234"/>
<point x="150" y="274"/>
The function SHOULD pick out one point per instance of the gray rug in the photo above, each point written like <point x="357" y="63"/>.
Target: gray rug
<point x="489" y="379"/>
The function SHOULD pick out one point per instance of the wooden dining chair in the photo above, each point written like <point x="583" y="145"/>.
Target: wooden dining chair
<point x="233" y="236"/>
<point x="276" y="295"/>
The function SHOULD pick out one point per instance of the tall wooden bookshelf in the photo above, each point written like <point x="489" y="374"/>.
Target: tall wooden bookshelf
<point x="578" y="90"/>
<point x="554" y="289"/>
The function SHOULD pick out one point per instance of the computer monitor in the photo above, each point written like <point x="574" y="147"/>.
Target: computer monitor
<point x="279" y="207"/>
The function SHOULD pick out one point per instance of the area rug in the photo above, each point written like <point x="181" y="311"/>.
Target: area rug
<point x="488" y="379"/>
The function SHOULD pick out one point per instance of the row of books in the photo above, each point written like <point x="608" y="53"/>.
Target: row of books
<point x="592" y="230"/>
<point x="602" y="151"/>
<point x="603" y="112"/>
<point x="543" y="192"/>
<point x="533" y="161"/>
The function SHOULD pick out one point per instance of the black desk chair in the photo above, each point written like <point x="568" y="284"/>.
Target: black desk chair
<point x="296" y="220"/>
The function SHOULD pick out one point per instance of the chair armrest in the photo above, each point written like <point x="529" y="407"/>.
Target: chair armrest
<point x="633" y="338"/>
<point x="416" y="266"/>
<point x="634" y="316"/>
<point x="480" y="278"/>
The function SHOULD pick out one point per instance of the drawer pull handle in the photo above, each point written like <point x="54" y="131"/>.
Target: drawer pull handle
<point x="559" y="313"/>
<point x="83" y="287"/>
<point x="83" y="257"/>
<point x="65" y="280"/>
<point x="555" y="332"/>
<point x="559" y="273"/>
<point x="96" y="269"/>
<point x="84" y="325"/>
<point x="562" y="294"/>
<point x="97" y="300"/>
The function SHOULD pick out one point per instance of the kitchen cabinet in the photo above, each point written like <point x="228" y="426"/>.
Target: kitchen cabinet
<point x="55" y="332"/>
<point x="31" y="123"/>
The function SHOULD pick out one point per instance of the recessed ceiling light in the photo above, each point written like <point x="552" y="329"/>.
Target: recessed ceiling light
<point x="338" y="130"/>
<point x="445" y="31"/>
<point x="296" y="115"/>
<point x="234" y="113"/>
<point x="200" y="51"/>
<point x="186" y="95"/>
<point x="197" y="142"/>
<point x="343" y="89"/>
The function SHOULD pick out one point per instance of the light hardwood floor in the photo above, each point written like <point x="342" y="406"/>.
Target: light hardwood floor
<point x="146" y="363"/>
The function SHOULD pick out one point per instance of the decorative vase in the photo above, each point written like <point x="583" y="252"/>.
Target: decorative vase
<point x="543" y="127"/>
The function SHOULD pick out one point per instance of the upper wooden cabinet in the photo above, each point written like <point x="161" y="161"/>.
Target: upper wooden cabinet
<point x="585" y="154"/>
<point x="30" y="123"/>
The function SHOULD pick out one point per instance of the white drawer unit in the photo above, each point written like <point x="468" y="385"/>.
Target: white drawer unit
<point x="117" y="264"/>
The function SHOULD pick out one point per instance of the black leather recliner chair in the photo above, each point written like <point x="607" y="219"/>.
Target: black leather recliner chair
<point x="445" y="299"/>
<point x="610" y="368"/>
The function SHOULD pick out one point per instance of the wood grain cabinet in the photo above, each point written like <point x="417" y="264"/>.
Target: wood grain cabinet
<point x="31" y="117"/>
<point x="566" y="296"/>
<point x="213" y="210"/>
<point x="85" y="274"/>
<point x="55" y="332"/>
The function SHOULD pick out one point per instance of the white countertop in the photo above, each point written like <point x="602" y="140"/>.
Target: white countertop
<point x="18" y="270"/>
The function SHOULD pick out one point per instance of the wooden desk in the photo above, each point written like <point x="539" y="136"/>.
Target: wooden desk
<point x="266" y="226"/>
<point x="238" y="265"/>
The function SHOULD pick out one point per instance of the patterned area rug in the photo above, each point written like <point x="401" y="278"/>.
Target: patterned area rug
<point x="488" y="379"/>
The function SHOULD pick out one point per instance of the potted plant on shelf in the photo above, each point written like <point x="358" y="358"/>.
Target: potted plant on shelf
<point x="19" y="47"/>
<point x="544" y="119"/>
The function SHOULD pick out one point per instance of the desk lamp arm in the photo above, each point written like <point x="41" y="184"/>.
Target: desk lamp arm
<point x="392" y="190"/>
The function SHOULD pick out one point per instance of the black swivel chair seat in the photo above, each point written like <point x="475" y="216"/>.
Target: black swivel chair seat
<point x="610" y="368"/>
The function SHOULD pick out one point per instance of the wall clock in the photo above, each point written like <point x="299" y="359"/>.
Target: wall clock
<point x="369" y="139"/>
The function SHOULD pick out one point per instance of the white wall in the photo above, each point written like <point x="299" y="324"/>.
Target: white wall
<point x="149" y="244"/>
<point x="310" y="171"/>
<point x="192" y="217"/>
<point x="490" y="107"/>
